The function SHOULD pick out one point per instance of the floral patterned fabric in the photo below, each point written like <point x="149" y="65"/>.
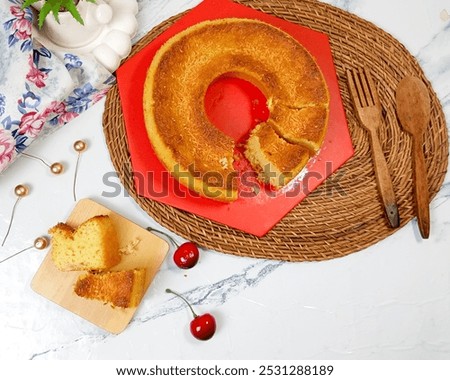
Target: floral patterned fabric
<point x="40" y="90"/>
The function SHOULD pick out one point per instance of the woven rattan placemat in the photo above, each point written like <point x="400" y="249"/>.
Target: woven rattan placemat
<point x="345" y="214"/>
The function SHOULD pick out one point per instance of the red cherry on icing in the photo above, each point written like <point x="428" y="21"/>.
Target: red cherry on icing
<point x="202" y="326"/>
<point x="186" y="255"/>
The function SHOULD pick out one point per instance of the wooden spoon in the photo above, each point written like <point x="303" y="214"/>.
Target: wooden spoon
<point x="413" y="109"/>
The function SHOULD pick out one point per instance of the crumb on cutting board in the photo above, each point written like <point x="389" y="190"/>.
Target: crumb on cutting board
<point x="130" y="248"/>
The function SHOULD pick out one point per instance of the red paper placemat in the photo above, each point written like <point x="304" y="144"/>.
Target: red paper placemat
<point x="258" y="214"/>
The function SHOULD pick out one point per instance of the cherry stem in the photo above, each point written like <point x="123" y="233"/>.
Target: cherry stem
<point x="184" y="299"/>
<point x="151" y="229"/>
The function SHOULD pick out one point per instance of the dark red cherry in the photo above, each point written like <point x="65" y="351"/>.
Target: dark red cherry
<point x="186" y="255"/>
<point x="202" y="326"/>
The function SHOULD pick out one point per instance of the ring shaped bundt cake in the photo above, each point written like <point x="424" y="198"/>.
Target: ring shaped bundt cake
<point x="197" y="153"/>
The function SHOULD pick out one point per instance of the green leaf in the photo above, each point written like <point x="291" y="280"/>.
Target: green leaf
<point x="54" y="6"/>
<point x="45" y="10"/>
<point x="55" y="11"/>
<point x="70" y="6"/>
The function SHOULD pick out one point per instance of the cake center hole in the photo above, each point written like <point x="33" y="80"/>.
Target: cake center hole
<point x="235" y="106"/>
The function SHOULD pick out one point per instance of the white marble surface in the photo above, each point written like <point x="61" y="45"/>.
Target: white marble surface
<point x="391" y="301"/>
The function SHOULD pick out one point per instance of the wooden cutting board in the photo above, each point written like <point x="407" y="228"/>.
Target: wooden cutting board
<point x="139" y="248"/>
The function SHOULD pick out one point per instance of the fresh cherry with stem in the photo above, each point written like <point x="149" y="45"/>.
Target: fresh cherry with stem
<point x="202" y="326"/>
<point x="186" y="255"/>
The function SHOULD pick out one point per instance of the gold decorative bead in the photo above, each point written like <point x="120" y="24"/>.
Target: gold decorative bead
<point x="57" y="168"/>
<point x="21" y="190"/>
<point x="41" y="243"/>
<point x="80" y="146"/>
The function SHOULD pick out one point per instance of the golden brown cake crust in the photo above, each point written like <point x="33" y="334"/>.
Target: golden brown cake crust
<point x="304" y="126"/>
<point x="185" y="66"/>
<point x="62" y="227"/>
<point x="122" y="289"/>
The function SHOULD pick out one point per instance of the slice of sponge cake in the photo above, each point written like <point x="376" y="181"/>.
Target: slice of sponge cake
<point x="122" y="289"/>
<point x="92" y="246"/>
<point x="276" y="160"/>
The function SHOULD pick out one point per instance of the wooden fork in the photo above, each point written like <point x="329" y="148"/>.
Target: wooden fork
<point x="368" y="109"/>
